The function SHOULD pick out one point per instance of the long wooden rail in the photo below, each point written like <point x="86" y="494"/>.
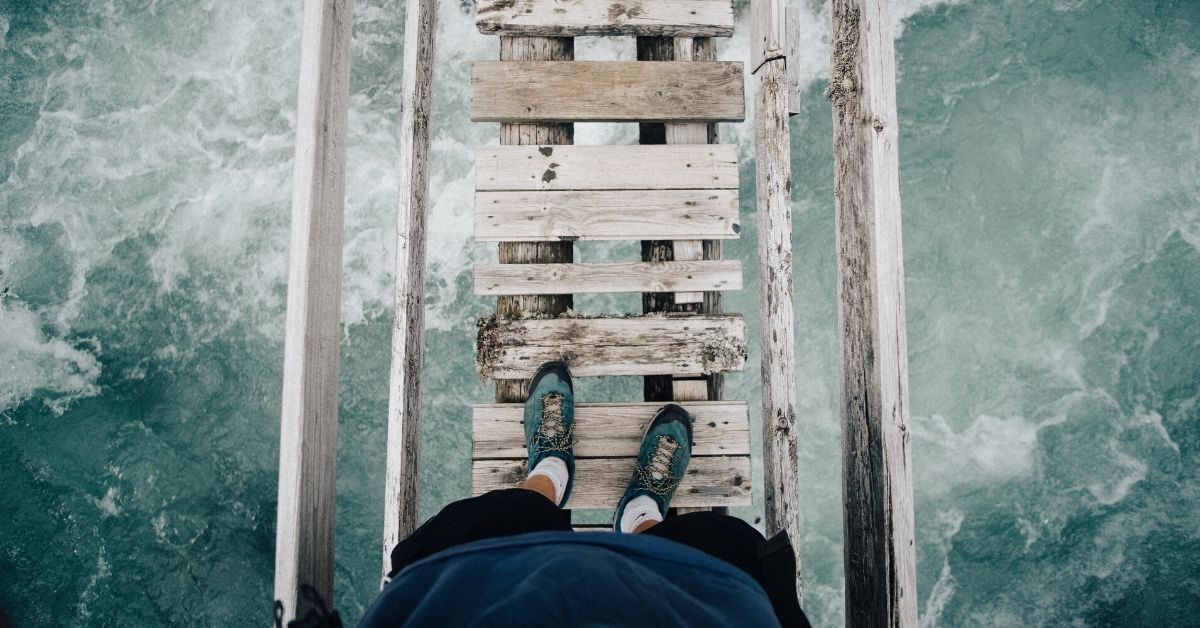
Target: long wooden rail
<point x="777" y="338"/>
<point x="879" y="544"/>
<point x="408" y="296"/>
<point x="308" y="418"/>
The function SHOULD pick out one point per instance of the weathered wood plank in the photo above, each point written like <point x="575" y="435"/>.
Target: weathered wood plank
<point x="646" y="345"/>
<point x="308" y="418"/>
<point x="401" y="491"/>
<point x="774" y="188"/>
<point x="540" y="49"/>
<point x="605" y="215"/>
<point x="574" y="18"/>
<point x="605" y="430"/>
<point x="688" y="392"/>
<point x="879" y="547"/>
<point x="606" y="277"/>
<point x="768" y="32"/>
<point x="606" y="91"/>
<point x="634" y="167"/>
<point x="599" y="482"/>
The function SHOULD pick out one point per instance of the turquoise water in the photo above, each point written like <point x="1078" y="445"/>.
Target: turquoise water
<point x="1052" y="233"/>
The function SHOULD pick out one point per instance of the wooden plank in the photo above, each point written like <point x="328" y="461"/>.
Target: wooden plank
<point x="605" y="215"/>
<point x="606" y="91"/>
<point x="693" y="390"/>
<point x="525" y="168"/>
<point x="645" y="345"/>
<point x="606" y="277"/>
<point x="876" y="456"/>
<point x="774" y="187"/>
<point x="599" y="482"/>
<point x="540" y="49"/>
<point x="401" y="490"/>
<point x="573" y="18"/>
<point x="308" y="417"/>
<point x="605" y="430"/>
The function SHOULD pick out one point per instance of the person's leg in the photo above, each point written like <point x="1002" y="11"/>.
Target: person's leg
<point x="728" y="538"/>
<point x="535" y="505"/>
<point x="499" y="513"/>
<point x="771" y="563"/>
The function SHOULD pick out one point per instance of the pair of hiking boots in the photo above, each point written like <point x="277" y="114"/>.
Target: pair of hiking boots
<point x="549" y="431"/>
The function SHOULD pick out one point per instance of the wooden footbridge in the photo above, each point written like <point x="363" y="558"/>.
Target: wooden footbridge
<point x="677" y="193"/>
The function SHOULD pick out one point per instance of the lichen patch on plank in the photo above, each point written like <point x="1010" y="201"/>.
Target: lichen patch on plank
<point x="842" y="86"/>
<point x="723" y="353"/>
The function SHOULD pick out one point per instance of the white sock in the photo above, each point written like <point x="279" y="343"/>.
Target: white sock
<point x="555" y="469"/>
<point x="639" y="510"/>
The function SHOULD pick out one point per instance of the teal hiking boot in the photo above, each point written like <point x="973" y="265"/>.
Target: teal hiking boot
<point x="550" y="419"/>
<point x="662" y="460"/>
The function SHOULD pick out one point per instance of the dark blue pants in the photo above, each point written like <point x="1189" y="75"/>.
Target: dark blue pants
<point x="515" y="511"/>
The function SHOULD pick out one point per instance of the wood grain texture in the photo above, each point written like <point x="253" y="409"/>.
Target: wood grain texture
<point x="599" y="482"/>
<point x="308" y="418"/>
<point x="604" y="277"/>
<point x="605" y="215"/>
<point x="880" y="555"/>
<point x="646" y="345"/>
<point x="768" y="32"/>
<point x="774" y="186"/>
<point x="401" y="491"/>
<point x="605" y="430"/>
<point x="547" y="49"/>
<point x="573" y="18"/>
<point x="606" y="91"/>
<point x="619" y="167"/>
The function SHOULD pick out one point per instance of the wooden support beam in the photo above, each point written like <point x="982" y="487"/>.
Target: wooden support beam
<point x="618" y="167"/>
<point x="687" y="133"/>
<point x="880" y="556"/>
<point x="709" y="481"/>
<point x="606" y="277"/>
<point x="606" y="91"/>
<point x="605" y="215"/>
<point x="401" y="490"/>
<point x="606" y="430"/>
<point x="774" y="185"/>
<point x="542" y="50"/>
<point x="308" y="418"/>
<point x="773" y="189"/>
<point x="573" y="18"/>
<point x="645" y="345"/>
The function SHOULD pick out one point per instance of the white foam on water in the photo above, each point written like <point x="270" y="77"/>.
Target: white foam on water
<point x="36" y="363"/>
<point x="940" y="539"/>
<point x="990" y="449"/>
